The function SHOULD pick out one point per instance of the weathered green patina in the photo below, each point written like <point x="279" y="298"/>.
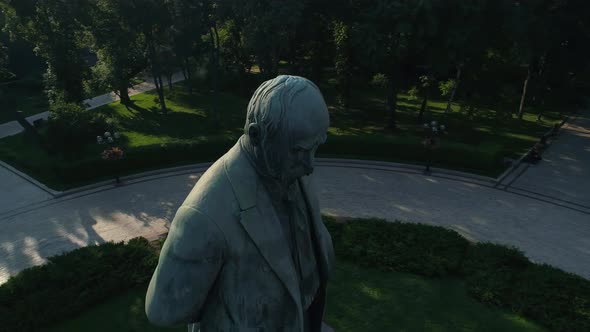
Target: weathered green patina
<point x="247" y="250"/>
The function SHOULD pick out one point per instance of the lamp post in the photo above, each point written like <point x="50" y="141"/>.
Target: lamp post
<point x="112" y="152"/>
<point x="432" y="132"/>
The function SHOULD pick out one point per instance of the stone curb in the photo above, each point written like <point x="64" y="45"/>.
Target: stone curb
<point x="336" y="162"/>
<point x="135" y="178"/>
<point x="29" y="179"/>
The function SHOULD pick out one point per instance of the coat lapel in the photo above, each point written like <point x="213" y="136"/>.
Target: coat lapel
<point x="259" y="220"/>
<point x="326" y="251"/>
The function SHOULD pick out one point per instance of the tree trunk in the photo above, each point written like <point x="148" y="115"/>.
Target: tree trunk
<point x="156" y="74"/>
<point x="423" y="108"/>
<point x="170" y="81"/>
<point x="188" y="75"/>
<point x="274" y="65"/>
<point x="541" y="109"/>
<point x="160" y="89"/>
<point x="524" y="89"/>
<point x="124" y="94"/>
<point x="213" y="62"/>
<point x="391" y="98"/>
<point x="452" y="96"/>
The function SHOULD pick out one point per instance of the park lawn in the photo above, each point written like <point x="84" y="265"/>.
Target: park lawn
<point x="206" y="118"/>
<point x="359" y="299"/>
<point x="31" y="99"/>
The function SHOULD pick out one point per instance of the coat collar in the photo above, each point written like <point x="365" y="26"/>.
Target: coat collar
<point x="259" y="221"/>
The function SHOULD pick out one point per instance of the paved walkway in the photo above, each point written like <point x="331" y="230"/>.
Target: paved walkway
<point x="13" y="127"/>
<point x="565" y="171"/>
<point x="17" y="191"/>
<point x="546" y="231"/>
<point x="542" y="209"/>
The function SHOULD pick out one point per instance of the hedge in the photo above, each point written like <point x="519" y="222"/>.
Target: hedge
<point x="494" y="274"/>
<point x="63" y="174"/>
<point x="70" y="283"/>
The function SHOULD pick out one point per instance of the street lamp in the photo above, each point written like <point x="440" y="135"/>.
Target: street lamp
<point x="432" y="132"/>
<point x="112" y="152"/>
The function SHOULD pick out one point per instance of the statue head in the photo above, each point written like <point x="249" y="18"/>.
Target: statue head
<point x="286" y="122"/>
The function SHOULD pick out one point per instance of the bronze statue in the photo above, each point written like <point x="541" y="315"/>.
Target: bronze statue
<point x="247" y="250"/>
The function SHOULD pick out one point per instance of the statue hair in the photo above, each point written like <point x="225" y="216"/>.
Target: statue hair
<point x="269" y="104"/>
<point x="268" y="109"/>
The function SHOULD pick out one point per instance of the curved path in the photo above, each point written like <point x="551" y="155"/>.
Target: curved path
<point x="546" y="231"/>
<point x="542" y="209"/>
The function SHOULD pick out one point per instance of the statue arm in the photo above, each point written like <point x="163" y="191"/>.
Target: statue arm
<point x="189" y="263"/>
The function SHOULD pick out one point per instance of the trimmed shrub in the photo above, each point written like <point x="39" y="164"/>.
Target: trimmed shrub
<point x="506" y="278"/>
<point x="395" y="246"/>
<point x="70" y="283"/>
<point x="71" y="127"/>
<point x="163" y="155"/>
<point x="491" y="270"/>
<point x="486" y="158"/>
<point x="494" y="274"/>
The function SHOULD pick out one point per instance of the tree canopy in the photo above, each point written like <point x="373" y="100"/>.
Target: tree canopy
<point x="518" y="51"/>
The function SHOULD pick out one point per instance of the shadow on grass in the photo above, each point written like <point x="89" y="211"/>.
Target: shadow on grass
<point x="359" y="299"/>
<point x="363" y="299"/>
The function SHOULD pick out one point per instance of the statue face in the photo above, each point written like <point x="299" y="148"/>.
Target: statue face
<point x="308" y="124"/>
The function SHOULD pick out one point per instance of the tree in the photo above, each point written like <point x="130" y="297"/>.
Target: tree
<point x="423" y="90"/>
<point x="187" y="31"/>
<point x="459" y="41"/>
<point x="55" y="27"/>
<point x="119" y="46"/>
<point x="268" y="28"/>
<point x="342" y="61"/>
<point x="5" y="74"/>
<point x="392" y="37"/>
<point x="534" y="32"/>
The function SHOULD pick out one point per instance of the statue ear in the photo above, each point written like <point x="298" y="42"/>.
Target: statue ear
<point x="254" y="133"/>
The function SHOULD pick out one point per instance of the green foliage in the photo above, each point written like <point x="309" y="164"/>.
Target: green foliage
<point x="414" y="248"/>
<point x="152" y="157"/>
<point x="70" y="283"/>
<point x="4" y="73"/>
<point x="55" y="28"/>
<point x="71" y="127"/>
<point x="446" y="87"/>
<point x="485" y="157"/>
<point x="119" y="46"/>
<point x="504" y="277"/>
<point x="494" y="274"/>
<point x="380" y="80"/>
<point x="414" y="93"/>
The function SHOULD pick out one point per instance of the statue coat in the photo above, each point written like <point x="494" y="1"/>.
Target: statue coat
<point x="226" y="263"/>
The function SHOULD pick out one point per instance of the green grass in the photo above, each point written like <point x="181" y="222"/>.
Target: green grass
<point x="125" y="312"/>
<point x="207" y="118"/>
<point x="31" y="99"/>
<point x="359" y="299"/>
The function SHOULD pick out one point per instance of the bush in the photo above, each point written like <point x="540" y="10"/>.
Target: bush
<point x="491" y="270"/>
<point x="494" y="274"/>
<point x="70" y="283"/>
<point x="71" y="127"/>
<point x="138" y="159"/>
<point x="395" y="246"/>
<point x="486" y="158"/>
<point x="506" y="278"/>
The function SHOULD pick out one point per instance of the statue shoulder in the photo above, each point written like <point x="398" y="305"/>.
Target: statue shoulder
<point x="194" y="234"/>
